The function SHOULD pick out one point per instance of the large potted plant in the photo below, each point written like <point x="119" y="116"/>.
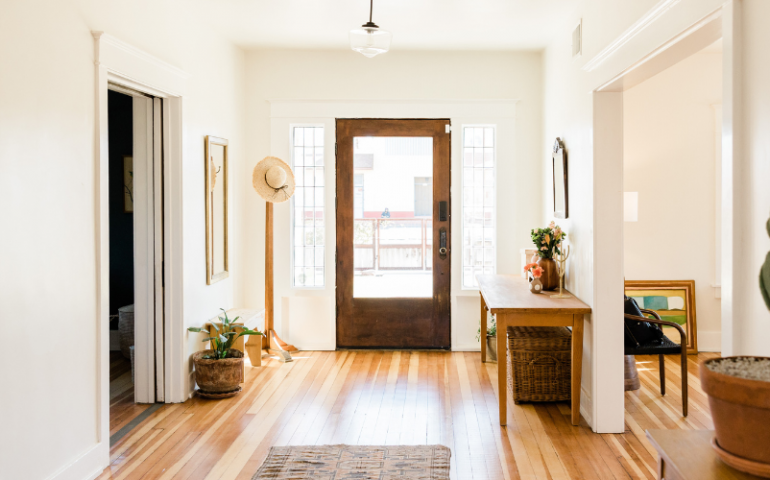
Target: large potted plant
<point x="548" y="241"/>
<point x="219" y="370"/>
<point x="738" y="389"/>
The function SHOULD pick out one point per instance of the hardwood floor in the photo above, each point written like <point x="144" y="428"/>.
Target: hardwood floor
<point x="376" y="397"/>
<point x="122" y="406"/>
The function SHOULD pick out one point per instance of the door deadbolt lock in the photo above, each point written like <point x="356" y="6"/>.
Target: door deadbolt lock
<point x="442" y="250"/>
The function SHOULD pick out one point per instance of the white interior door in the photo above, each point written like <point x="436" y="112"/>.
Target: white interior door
<point x="148" y="251"/>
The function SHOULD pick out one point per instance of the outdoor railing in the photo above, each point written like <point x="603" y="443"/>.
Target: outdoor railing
<point x="393" y="244"/>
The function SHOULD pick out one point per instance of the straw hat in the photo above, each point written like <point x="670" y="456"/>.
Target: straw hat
<point x="273" y="180"/>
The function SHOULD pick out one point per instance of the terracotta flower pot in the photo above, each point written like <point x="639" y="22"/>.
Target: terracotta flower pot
<point x="218" y="376"/>
<point x="550" y="276"/>
<point x="740" y="409"/>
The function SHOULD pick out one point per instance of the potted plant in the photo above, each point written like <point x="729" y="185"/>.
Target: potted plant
<point x="219" y="370"/>
<point x="738" y="389"/>
<point x="548" y="241"/>
<point x="491" y="337"/>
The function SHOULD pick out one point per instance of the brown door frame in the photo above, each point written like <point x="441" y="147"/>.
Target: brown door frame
<point x="392" y="322"/>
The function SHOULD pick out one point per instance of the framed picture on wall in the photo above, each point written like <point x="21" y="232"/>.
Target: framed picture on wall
<point x="673" y="300"/>
<point x="217" y="258"/>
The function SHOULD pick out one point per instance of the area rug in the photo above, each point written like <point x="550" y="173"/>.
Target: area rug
<point x="353" y="462"/>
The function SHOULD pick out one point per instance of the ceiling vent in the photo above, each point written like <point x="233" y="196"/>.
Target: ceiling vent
<point x="577" y="40"/>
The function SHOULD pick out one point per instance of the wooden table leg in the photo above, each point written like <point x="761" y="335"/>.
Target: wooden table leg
<point x="577" y="365"/>
<point x="483" y="335"/>
<point x="502" y="367"/>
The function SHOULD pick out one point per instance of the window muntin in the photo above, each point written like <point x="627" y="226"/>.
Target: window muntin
<point x="478" y="216"/>
<point x="308" y="227"/>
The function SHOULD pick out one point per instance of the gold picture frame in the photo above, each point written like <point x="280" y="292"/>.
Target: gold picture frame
<point x="673" y="300"/>
<point x="216" y="168"/>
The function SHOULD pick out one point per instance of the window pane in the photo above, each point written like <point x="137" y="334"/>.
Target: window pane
<point x="478" y="223"/>
<point x="393" y="211"/>
<point x="308" y="225"/>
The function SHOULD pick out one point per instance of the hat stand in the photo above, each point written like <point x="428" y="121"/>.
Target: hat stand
<point x="271" y="341"/>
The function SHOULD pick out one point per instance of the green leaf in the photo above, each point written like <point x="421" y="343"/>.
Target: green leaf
<point x="196" y="329"/>
<point x="215" y="326"/>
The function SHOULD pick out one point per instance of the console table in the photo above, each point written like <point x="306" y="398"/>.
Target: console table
<point x="509" y="299"/>
<point x="688" y="455"/>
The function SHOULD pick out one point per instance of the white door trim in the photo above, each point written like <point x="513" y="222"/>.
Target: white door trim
<point x="620" y="69"/>
<point x="122" y="64"/>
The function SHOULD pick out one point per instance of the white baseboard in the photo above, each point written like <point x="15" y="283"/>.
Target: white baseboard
<point x="323" y="347"/>
<point x="114" y="340"/>
<point x="473" y="347"/>
<point x="88" y="466"/>
<point x="710" y="341"/>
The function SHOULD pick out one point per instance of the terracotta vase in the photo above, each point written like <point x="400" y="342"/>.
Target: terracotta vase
<point x="218" y="375"/>
<point x="550" y="276"/>
<point x="740" y="409"/>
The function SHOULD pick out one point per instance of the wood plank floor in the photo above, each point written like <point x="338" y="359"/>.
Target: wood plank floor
<point x="377" y="397"/>
<point x="122" y="406"/>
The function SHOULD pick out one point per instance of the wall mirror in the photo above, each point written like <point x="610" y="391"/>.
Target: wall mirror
<point x="216" y="209"/>
<point x="560" y="192"/>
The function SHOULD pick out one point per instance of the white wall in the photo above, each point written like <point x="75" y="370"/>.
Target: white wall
<point x="568" y="113"/>
<point x="47" y="193"/>
<point x="751" y="320"/>
<point x="430" y="77"/>
<point x="669" y="158"/>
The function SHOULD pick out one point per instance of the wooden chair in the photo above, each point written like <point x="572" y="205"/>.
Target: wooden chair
<point x="663" y="347"/>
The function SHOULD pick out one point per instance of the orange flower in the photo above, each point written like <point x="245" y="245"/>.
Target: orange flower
<point x="537" y="272"/>
<point x="529" y="265"/>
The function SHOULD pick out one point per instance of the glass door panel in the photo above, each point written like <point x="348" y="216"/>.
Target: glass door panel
<point x="392" y="233"/>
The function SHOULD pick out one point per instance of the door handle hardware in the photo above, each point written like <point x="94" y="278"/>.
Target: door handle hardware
<point x="442" y="213"/>
<point x="442" y="250"/>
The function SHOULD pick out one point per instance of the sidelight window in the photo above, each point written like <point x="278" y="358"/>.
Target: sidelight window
<point x="308" y="220"/>
<point x="478" y="203"/>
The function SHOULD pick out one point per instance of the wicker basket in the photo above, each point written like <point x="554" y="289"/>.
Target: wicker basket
<point x="126" y="328"/>
<point x="539" y="359"/>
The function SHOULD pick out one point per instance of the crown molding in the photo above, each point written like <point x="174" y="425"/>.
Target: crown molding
<point x="645" y="21"/>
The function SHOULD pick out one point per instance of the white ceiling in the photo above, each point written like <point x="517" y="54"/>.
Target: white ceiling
<point x="415" y="24"/>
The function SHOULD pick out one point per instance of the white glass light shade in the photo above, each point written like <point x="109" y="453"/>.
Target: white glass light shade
<point x="370" y="41"/>
<point x="631" y="206"/>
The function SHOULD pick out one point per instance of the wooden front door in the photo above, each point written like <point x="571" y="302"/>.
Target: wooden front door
<point x="393" y="233"/>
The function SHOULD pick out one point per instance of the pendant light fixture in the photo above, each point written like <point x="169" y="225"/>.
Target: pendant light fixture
<point x="369" y="40"/>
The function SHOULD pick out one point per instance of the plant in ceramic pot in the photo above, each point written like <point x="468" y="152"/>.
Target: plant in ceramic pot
<point x="219" y="370"/>
<point x="491" y="337"/>
<point x="548" y="241"/>
<point x="739" y="396"/>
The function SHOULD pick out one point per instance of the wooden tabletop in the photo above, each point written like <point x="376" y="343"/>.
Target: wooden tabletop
<point x="510" y="294"/>
<point x="690" y="454"/>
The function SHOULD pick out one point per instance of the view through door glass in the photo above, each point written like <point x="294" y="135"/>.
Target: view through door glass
<point x="393" y="217"/>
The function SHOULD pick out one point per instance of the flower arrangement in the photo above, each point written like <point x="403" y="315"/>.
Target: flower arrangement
<point x="535" y="269"/>
<point x="548" y="240"/>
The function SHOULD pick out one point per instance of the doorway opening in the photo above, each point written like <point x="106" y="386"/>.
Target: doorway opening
<point x="393" y="179"/>
<point x="135" y="201"/>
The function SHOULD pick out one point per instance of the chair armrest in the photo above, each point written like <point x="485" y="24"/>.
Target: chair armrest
<point x="651" y="312"/>
<point x="659" y="322"/>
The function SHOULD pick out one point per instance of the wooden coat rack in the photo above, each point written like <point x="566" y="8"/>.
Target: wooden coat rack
<point x="271" y="341"/>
